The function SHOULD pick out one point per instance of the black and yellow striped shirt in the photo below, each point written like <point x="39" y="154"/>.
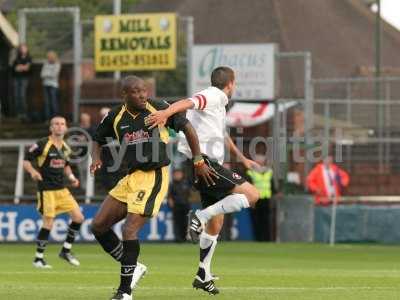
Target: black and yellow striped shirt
<point x="50" y="162"/>
<point x="140" y="148"/>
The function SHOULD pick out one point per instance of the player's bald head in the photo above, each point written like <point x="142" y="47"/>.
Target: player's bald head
<point x="131" y="82"/>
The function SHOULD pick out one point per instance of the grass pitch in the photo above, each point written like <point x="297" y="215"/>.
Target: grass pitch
<point x="247" y="270"/>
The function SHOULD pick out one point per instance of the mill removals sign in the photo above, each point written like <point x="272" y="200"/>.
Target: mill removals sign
<point x="135" y="42"/>
<point x="254" y="65"/>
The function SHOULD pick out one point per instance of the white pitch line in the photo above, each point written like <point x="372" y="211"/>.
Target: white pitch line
<point x="228" y="288"/>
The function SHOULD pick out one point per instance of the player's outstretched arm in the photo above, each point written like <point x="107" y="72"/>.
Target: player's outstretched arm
<point x="202" y="171"/>
<point x="248" y="163"/>
<point x="160" y="117"/>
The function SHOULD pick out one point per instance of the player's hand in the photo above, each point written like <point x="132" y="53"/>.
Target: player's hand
<point x="95" y="165"/>
<point x="251" y="164"/>
<point x="157" y="118"/>
<point x="204" y="172"/>
<point x="36" y="176"/>
<point x="75" y="183"/>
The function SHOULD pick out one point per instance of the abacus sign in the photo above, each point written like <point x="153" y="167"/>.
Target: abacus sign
<point x="135" y="42"/>
<point x="254" y="66"/>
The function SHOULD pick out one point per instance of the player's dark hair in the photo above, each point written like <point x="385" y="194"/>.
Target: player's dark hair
<point x="58" y="117"/>
<point x="128" y="81"/>
<point x="222" y="76"/>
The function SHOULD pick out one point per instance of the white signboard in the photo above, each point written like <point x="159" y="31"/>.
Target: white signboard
<point x="254" y="66"/>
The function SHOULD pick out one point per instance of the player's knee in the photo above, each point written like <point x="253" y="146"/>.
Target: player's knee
<point x="252" y="195"/>
<point x="79" y="218"/>
<point x="98" y="227"/>
<point x="47" y="222"/>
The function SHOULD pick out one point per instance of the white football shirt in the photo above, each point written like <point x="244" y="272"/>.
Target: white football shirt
<point x="208" y="117"/>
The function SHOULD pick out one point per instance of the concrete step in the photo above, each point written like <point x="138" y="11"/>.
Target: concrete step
<point x="15" y="129"/>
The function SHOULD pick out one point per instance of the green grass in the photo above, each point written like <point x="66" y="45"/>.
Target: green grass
<point x="247" y="270"/>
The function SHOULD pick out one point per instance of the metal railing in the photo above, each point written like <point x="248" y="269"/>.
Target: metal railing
<point x="19" y="180"/>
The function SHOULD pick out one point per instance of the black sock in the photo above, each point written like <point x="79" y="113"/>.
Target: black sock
<point x="128" y="264"/>
<point x="73" y="230"/>
<point x="41" y="242"/>
<point x="201" y="273"/>
<point x="110" y="243"/>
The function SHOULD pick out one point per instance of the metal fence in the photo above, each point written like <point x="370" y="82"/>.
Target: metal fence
<point x="57" y="29"/>
<point x="12" y="153"/>
<point x="294" y="87"/>
<point x="362" y="115"/>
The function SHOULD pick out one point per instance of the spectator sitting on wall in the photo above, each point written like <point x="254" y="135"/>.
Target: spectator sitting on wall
<point x="327" y="181"/>
<point x="49" y="74"/>
<point x="21" y="68"/>
<point x="262" y="213"/>
<point x="178" y="201"/>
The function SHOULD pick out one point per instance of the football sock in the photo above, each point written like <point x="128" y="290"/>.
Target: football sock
<point x="41" y="243"/>
<point x="73" y="230"/>
<point x="229" y="204"/>
<point x="111" y="244"/>
<point x="207" y="247"/>
<point x="128" y="264"/>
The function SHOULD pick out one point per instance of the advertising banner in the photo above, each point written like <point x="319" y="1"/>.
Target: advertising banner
<point x="21" y="223"/>
<point x="135" y="42"/>
<point x="254" y="66"/>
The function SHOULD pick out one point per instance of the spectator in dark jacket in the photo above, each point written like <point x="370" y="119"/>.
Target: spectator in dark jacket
<point x="178" y="201"/>
<point x="21" y="68"/>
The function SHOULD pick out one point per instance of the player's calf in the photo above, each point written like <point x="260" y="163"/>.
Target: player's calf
<point x="41" y="243"/>
<point x="110" y="242"/>
<point x="110" y="213"/>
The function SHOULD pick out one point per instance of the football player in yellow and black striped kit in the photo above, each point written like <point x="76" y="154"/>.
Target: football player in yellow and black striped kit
<point x="143" y="153"/>
<point x="51" y="155"/>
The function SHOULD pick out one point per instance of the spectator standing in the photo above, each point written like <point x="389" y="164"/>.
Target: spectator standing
<point x="327" y="181"/>
<point x="262" y="213"/>
<point x="88" y="131"/>
<point x="178" y="201"/>
<point x="49" y="74"/>
<point x="21" y="71"/>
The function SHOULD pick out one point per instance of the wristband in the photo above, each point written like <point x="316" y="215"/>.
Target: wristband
<point x="199" y="163"/>
<point x="197" y="158"/>
<point x="71" y="177"/>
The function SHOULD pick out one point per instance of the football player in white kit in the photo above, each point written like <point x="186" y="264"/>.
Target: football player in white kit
<point x="227" y="192"/>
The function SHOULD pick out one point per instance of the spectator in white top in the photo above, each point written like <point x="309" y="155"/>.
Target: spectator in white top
<point x="49" y="74"/>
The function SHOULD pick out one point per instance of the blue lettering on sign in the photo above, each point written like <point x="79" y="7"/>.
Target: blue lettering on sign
<point x="217" y="57"/>
<point x="21" y="223"/>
